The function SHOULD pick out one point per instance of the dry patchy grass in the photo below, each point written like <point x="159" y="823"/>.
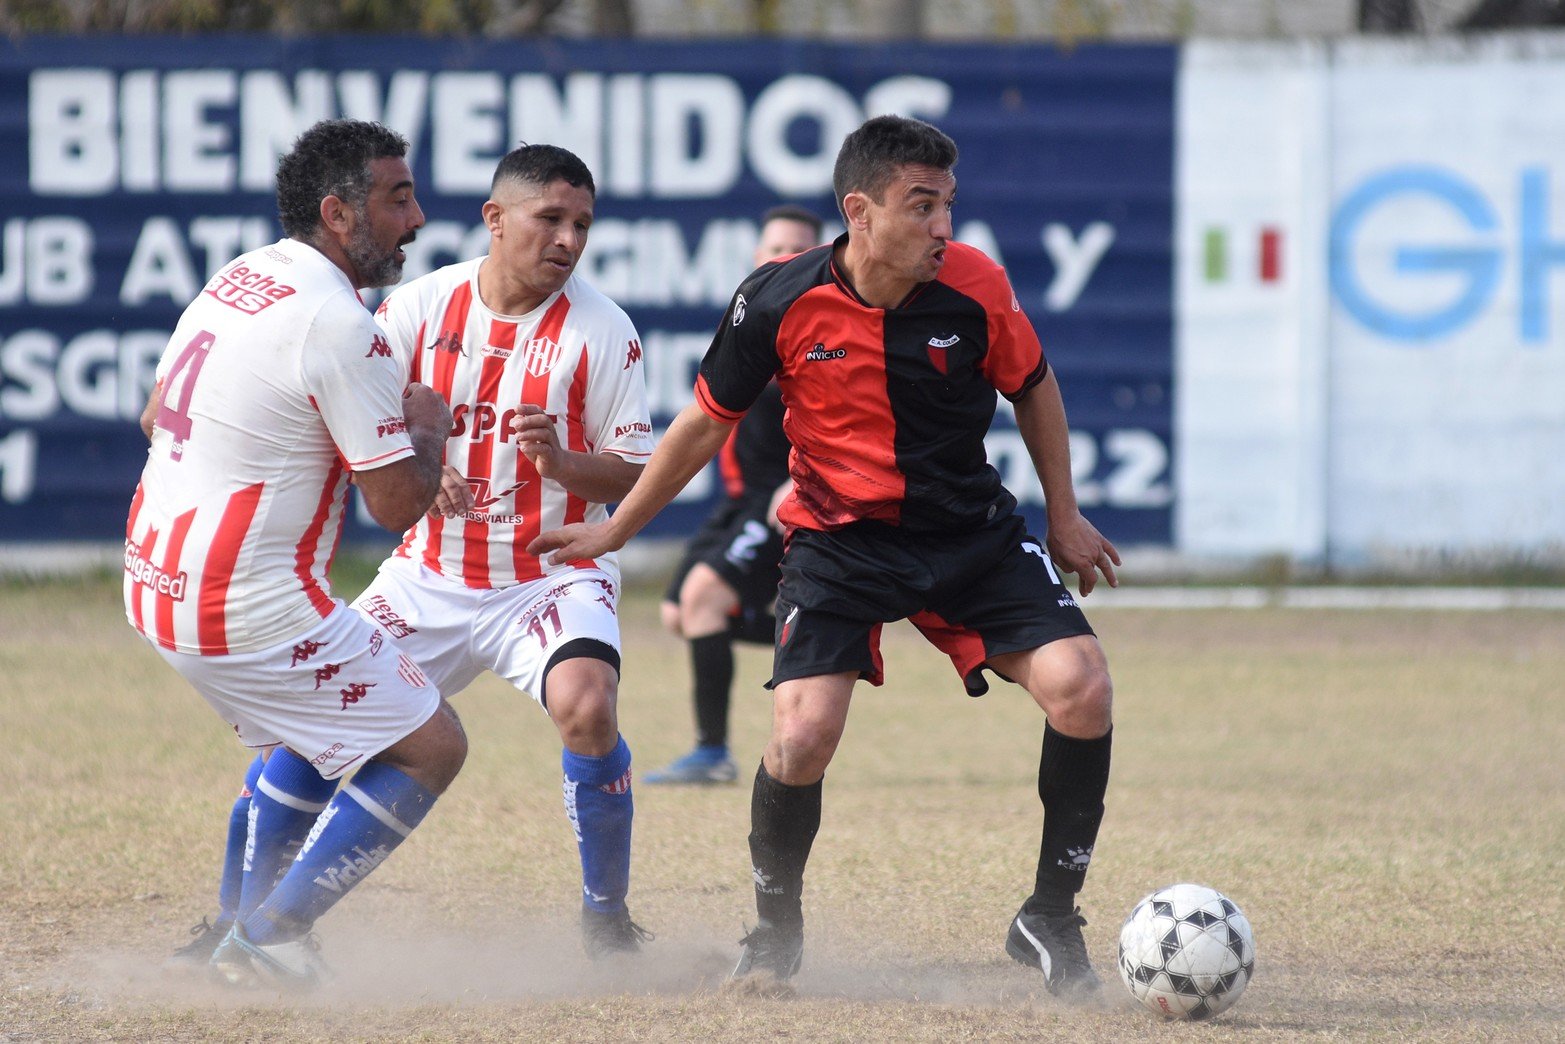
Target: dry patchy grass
<point x="1382" y="792"/>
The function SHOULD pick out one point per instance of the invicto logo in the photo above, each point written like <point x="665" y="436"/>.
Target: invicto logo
<point x="820" y="353"/>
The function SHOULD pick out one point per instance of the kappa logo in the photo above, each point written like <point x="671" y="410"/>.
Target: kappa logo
<point x="320" y="759"/>
<point x="632" y="355"/>
<point x="539" y="355"/>
<point x="379" y="347"/>
<point x="304" y="650"/>
<point x="739" y="306"/>
<point x="821" y="353"/>
<point x="449" y="342"/>
<point x="326" y="674"/>
<point x="355" y="692"/>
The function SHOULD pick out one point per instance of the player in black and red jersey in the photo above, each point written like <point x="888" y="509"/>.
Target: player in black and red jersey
<point x="726" y="583"/>
<point x="889" y="346"/>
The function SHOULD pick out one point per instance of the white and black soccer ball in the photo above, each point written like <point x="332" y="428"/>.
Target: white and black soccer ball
<point x="1186" y="952"/>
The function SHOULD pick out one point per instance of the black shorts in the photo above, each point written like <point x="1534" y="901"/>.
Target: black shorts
<point x="736" y="541"/>
<point x="973" y="595"/>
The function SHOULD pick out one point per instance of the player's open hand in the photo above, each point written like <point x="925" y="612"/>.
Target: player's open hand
<point x="1077" y="547"/>
<point x="536" y="437"/>
<point x="455" y="496"/>
<point x="574" y="542"/>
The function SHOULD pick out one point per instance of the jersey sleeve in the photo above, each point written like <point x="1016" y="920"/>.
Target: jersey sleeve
<point x="743" y="355"/>
<point x="356" y="381"/>
<point x="618" y="419"/>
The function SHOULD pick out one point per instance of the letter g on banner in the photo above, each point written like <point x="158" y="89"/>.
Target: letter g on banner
<point x="1478" y="264"/>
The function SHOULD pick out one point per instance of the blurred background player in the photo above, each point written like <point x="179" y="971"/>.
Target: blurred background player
<point x="889" y="349"/>
<point x="726" y="583"/>
<point x="275" y="389"/>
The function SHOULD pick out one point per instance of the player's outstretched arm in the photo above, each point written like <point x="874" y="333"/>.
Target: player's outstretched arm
<point x="1074" y="543"/>
<point x="693" y="439"/>
<point x="397" y="494"/>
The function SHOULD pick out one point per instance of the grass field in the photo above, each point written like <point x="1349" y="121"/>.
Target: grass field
<point x="1383" y="793"/>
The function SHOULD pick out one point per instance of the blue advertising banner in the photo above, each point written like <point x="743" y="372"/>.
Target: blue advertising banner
<point x="131" y="169"/>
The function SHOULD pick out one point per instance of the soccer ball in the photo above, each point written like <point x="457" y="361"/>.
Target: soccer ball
<point x="1186" y="952"/>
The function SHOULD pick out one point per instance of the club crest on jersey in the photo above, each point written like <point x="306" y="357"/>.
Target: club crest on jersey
<point x="539" y="355"/>
<point x="739" y="309"/>
<point x="937" y="351"/>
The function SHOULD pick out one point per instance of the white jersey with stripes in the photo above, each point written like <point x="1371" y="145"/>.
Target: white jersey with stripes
<point x="276" y="384"/>
<point x="576" y="355"/>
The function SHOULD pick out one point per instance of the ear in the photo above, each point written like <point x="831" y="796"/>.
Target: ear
<point x="493" y="214"/>
<point x="855" y="207"/>
<point x="336" y="216"/>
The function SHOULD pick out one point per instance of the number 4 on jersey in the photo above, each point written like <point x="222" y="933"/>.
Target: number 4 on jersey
<point x="178" y="387"/>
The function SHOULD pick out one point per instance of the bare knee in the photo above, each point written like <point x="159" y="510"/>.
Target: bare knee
<point x="433" y="753"/>
<point x="668" y="613"/>
<point x="1070" y="680"/>
<point x="705" y="602"/>
<point x="583" y="697"/>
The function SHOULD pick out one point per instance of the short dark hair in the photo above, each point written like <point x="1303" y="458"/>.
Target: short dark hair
<point x="870" y="156"/>
<point x="793" y="212"/>
<point x="541" y="164"/>
<point x="332" y="158"/>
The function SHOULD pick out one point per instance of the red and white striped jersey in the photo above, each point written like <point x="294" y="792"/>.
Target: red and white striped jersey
<point x="577" y="355"/>
<point x="276" y="384"/>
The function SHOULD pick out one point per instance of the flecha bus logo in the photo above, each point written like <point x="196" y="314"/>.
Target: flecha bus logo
<point x="247" y="290"/>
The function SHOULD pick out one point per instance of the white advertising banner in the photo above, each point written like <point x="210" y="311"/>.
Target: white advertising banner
<point x="1249" y="405"/>
<point x="1371" y="257"/>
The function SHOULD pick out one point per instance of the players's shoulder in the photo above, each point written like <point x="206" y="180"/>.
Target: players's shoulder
<point x="441" y="282"/>
<point x="966" y="259"/>
<point x="778" y="283"/>
<point x="591" y="305"/>
<point x="974" y="273"/>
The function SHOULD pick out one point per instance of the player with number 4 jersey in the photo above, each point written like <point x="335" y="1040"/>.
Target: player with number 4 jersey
<point x="275" y="389"/>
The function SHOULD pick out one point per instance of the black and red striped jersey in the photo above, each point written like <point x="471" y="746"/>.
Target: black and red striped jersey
<point x="886" y="409"/>
<point x="754" y="460"/>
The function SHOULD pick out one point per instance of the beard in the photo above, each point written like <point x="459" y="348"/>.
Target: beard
<point x="376" y="267"/>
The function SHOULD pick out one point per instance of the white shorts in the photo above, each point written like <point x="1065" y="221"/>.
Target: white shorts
<point x="336" y="696"/>
<point x="455" y="632"/>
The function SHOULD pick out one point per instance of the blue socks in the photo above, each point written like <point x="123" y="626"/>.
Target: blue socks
<point x="599" y="805"/>
<point x="286" y="799"/>
<point x="234" y="853"/>
<point x="377" y="809"/>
